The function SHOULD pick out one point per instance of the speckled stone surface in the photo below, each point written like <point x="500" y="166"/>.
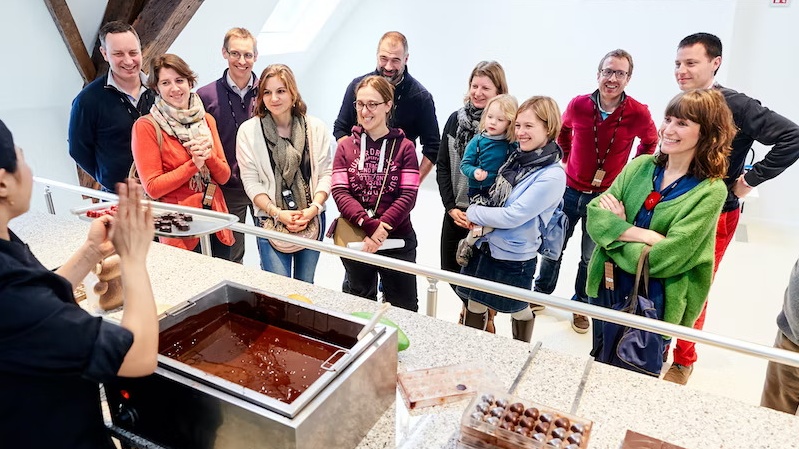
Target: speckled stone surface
<point x="614" y="399"/>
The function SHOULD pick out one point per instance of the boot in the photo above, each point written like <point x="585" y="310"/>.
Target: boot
<point x="475" y="320"/>
<point x="522" y="330"/>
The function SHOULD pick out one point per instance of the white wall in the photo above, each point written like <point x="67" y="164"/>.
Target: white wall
<point x="548" y="47"/>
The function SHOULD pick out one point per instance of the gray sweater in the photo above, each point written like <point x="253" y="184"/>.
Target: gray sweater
<point x="788" y="319"/>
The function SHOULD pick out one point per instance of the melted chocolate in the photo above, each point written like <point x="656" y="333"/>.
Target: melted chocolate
<point x="273" y="361"/>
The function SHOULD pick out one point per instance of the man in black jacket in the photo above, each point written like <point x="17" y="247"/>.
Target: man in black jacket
<point x="103" y="113"/>
<point x="698" y="59"/>
<point x="414" y="111"/>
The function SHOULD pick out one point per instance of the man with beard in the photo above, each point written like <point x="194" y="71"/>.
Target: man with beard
<point x="414" y="111"/>
<point x="103" y="113"/>
<point x="597" y="137"/>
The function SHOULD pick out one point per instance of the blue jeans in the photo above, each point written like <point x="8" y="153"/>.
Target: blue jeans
<point x="509" y="272"/>
<point x="574" y="206"/>
<point x="303" y="261"/>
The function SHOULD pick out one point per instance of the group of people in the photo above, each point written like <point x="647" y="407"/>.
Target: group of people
<point x="245" y="143"/>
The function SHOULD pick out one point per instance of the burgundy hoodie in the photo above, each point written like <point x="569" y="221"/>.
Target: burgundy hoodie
<point x="359" y="172"/>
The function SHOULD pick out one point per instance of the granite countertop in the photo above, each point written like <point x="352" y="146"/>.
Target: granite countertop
<point x="615" y="399"/>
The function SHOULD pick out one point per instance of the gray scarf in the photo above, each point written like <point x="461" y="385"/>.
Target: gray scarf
<point x="286" y="158"/>
<point x="519" y="166"/>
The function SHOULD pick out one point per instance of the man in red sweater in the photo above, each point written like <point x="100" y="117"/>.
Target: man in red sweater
<point x="597" y="137"/>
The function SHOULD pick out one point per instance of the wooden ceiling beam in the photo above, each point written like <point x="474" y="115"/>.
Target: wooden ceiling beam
<point x="159" y="24"/>
<point x="65" y="23"/>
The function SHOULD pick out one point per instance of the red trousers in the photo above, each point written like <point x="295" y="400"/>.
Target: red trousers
<point x="685" y="351"/>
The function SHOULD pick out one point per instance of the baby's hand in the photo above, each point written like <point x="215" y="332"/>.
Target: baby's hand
<point x="480" y="174"/>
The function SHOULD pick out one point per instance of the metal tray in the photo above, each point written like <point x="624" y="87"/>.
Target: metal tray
<point x="205" y="221"/>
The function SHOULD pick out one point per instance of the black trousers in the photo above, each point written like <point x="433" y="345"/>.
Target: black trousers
<point x="237" y="204"/>
<point x="398" y="288"/>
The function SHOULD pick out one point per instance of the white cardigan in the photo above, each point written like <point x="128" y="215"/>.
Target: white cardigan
<point x="256" y="169"/>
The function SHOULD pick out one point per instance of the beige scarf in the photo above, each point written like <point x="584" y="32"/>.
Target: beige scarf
<point x="185" y="125"/>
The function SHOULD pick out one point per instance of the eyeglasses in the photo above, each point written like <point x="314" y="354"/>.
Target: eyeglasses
<point x="607" y="73"/>
<point x="236" y="55"/>
<point x="370" y="105"/>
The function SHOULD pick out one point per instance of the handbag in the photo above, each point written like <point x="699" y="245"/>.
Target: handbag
<point x="312" y="231"/>
<point x="631" y="348"/>
<point x="342" y="230"/>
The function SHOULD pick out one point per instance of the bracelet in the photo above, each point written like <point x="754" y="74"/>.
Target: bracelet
<point x="277" y="212"/>
<point x="318" y="206"/>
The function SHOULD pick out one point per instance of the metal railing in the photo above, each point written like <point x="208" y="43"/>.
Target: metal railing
<point x="434" y="275"/>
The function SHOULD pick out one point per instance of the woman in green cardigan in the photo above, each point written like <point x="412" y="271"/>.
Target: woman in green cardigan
<point x="670" y="202"/>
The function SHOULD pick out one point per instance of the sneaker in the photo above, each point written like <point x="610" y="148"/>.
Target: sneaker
<point x="679" y="374"/>
<point x="537" y="307"/>
<point x="464" y="253"/>
<point x="580" y="323"/>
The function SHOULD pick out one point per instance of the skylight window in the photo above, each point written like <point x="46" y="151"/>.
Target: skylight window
<point x="293" y="25"/>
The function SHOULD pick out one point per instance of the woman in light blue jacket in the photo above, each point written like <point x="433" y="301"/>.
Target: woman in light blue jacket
<point x="528" y="189"/>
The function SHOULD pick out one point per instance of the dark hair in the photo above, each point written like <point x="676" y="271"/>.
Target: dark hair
<point x="116" y="27"/>
<point x="710" y="42"/>
<point x="396" y="37"/>
<point x="8" y="152"/>
<point x="282" y="71"/>
<point x="491" y="70"/>
<point x="708" y="108"/>
<point x="618" y="53"/>
<point x="169" y="61"/>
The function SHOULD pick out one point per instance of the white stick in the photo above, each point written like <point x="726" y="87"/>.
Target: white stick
<point x="373" y="322"/>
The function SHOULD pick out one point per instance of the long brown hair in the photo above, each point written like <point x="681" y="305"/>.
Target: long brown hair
<point x="708" y="108"/>
<point x="284" y="73"/>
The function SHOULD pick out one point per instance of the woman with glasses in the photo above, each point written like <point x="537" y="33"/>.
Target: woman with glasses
<point x="177" y="150"/>
<point x="486" y="81"/>
<point x="669" y="202"/>
<point x="284" y="159"/>
<point x="375" y="182"/>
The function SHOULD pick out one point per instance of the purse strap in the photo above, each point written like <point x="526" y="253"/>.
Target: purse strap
<point x="388" y="168"/>
<point x="641" y="272"/>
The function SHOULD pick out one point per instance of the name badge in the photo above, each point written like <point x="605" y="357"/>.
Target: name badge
<point x="598" y="177"/>
<point x="609" y="284"/>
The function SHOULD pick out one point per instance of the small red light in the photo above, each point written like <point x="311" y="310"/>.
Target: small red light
<point x="125" y="395"/>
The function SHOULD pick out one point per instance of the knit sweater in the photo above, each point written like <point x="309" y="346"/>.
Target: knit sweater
<point x="256" y="168"/>
<point x="758" y="123"/>
<point x="99" y="130"/>
<point x="516" y="235"/>
<point x="165" y="173"/>
<point x="684" y="259"/>
<point x="487" y="153"/>
<point x="580" y="149"/>
<point x="357" y="183"/>
<point x="414" y="112"/>
<point x="230" y="111"/>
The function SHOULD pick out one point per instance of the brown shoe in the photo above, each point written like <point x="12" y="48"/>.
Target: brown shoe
<point x="679" y="374"/>
<point x="580" y="323"/>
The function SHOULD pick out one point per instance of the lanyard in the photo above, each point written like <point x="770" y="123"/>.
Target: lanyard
<point x="233" y="111"/>
<point x="601" y="162"/>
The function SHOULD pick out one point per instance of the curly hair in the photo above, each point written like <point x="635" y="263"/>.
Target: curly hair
<point x="707" y="108"/>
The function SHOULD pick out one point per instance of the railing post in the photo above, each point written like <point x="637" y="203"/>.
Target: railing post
<point x="432" y="297"/>
<point x="48" y="199"/>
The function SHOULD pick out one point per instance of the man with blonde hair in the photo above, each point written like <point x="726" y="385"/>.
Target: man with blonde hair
<point x="414" y="111"/>
<point x="231" y="101"/>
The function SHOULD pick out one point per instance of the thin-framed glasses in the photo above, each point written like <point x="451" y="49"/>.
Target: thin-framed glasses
<point x="371" y="105"/>
<point x="607" y="73"/>
<point x="236" y="55"/>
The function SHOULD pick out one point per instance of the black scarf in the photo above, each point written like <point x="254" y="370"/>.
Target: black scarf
<point x="519" y="166"/>
<point x="468" y="124"/>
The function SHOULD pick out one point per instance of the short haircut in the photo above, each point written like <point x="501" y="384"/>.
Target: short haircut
<point x="491" y="70"/>
<point x="508" y="105"/>
<point x="116" y="27"/>
<point x="169" y="61"/>
<point x="8" y="152"/>
<point x="397" y="38"/>
<point x="708" y="108"/>
<point x="284" y="73"/>
<point x="618" y="53"/>
<point x="241" y="33"/>
<point x="547" y="110"/>
<point x="710" y="42"/>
